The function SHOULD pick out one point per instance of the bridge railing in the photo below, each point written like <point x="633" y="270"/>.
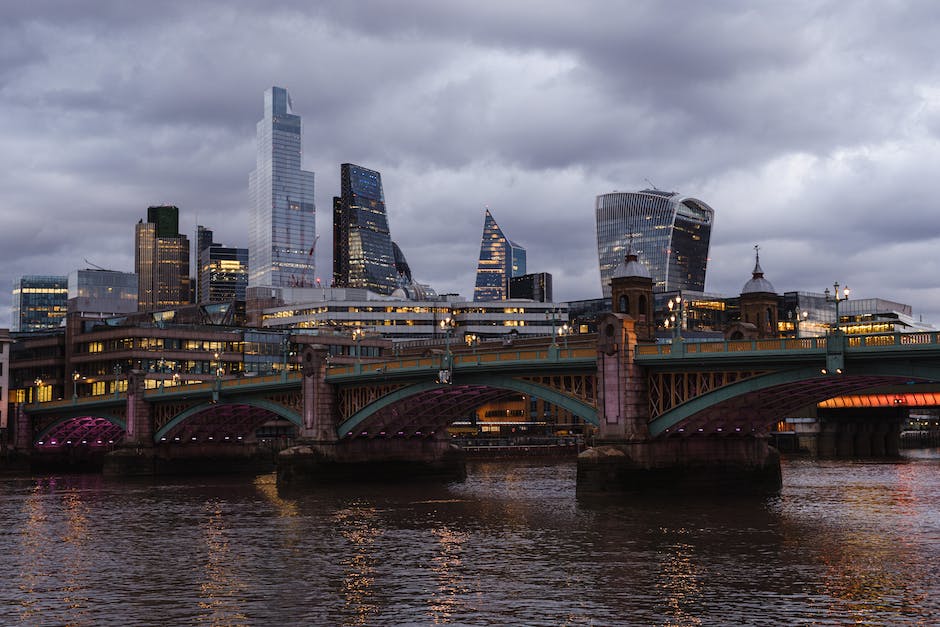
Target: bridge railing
<point x="458" y="360"/>
<point x="875" y="340"/>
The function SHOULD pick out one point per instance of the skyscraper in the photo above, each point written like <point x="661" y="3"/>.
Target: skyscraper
<point x="39" y="302"/>
<point x="363" y="253"/>
<point x="161" y="260"/>
<point x="670" y="232"/>
<point x="282" y="224"/>
<point x="500" y="260"/>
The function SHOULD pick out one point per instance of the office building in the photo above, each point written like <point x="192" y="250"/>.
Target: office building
<point x="161" y="260"/>
<point x="223" y="273"/>
<point x="500" y="260"/>
<point x="536" y="286"/>
<point x="102" y="292"/>
<point x="282" y="221"/>
<point x="670" y="233"/>
<point x="363" y="253"/>
<point x="39" y="302"/>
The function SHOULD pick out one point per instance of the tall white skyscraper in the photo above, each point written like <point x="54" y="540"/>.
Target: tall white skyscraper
<point x="282" y="224"/>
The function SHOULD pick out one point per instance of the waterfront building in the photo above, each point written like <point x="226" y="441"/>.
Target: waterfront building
<point x="536" y="286"/>
<point x="363" y="252"/>
<point x="102" y="292"/>
<point x="221" y="271"/>
<point x="161" y="260"/>
<point x="500" y="260"/>
<point x="39" y="302"/>
<point x="670" y="233"/>
<point x="282" y="218"/>
<point x="400" y="317"/>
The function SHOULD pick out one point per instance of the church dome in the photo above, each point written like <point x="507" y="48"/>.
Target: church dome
<point x="758" y="284"/>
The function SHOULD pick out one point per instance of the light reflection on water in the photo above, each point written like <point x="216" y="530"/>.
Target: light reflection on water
<point x="844" y="542"/>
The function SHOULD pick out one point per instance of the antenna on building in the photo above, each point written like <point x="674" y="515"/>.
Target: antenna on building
<point x="651" y="184"/>
<point x="96" y="266"/>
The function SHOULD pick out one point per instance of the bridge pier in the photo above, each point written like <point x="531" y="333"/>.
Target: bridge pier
<point x="865" y="436"/>
<point x="625" y="459"/>
<point x="135" y="456"/>
<point x="320" y="456"/>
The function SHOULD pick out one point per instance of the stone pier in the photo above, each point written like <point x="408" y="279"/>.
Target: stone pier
<point x="625" y="459"/>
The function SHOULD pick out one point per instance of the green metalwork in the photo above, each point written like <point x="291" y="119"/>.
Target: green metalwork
<point x="117" y="422"/>
<point x="875" y="368"/>
<point x="274" y="408"/>
<point x="584" y="411"/>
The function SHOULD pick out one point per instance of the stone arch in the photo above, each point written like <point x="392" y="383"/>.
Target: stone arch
<point x="274" y="408"/>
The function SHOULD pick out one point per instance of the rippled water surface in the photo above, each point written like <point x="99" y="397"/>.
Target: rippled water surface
<point x="844" y="543"/>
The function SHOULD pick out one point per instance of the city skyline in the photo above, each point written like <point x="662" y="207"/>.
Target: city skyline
<point x="474" y="105"/>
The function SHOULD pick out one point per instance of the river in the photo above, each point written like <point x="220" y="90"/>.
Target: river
<point x="843" y="543"/>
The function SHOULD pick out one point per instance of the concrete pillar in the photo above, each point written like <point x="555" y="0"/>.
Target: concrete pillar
<point x="845" y="440"/>
<point x="319" y="396"/>
<point x="828" y="435"/>
<point x="879" y="435"/>
<point x="893" y="439"/>
<point x="863" y="435"/>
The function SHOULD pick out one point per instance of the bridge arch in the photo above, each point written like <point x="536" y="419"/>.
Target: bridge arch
<point x="82" y="425"/>
<point x="767" y="398"/>
<point x="269" y="406"/>
<point x="478" y="388"/>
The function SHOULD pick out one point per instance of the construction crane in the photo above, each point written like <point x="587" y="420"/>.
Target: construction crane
<point x="96" y="266"/>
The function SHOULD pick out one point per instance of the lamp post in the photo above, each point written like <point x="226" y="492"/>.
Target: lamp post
<point x="117" y="375"/>
<point x="76" y="377"/>
<point x="797" y="316"/>
<point x="357" y="336"/>
<point x="38" y="383"/>
<point x="447" y="325"/>
<point x="675" y="318"/>
<point x="836" y="298"/>
<point x="552" y="313"/>
<point x="285" y="348"/>
<point x="564" y="330"/>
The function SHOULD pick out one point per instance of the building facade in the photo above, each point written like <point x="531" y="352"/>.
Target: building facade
<point x="105" y="292"/>
<point x="39" y="302"/>
<point x="363" y="252"/>
<point x="536" y="286"/>
<point x="671" y="234"/>
<point x="5" y="342"/>
<point x="161" y="260"/>
<point x="500" y="260"/>
<point x="221" y="271"/>
<point x="282" y="223"/>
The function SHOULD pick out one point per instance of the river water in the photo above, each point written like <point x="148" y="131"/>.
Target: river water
<point x="843" y="543"/>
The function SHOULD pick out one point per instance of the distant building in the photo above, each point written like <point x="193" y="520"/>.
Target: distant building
<point x="39" y="302"/>
<point x="104" y="292"/>
<point x="363" y="253"/>
<point x="161" y="260"/>
<point x="282" y="223"/>
<point x="536" y="286"/>
<point x="500" y="260"/>
<point x="671" y="234"/>
<point x="221" y="271"/>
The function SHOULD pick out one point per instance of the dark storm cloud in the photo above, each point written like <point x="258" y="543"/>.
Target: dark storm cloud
<point x="811" y="127"/>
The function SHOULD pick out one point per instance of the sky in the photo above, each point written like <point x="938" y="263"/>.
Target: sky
<point x="811" y="128"/>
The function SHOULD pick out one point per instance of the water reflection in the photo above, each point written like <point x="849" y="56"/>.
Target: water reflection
<point x="358" y="525"/>
<point x="446" y="566"/>
<point x="221" y="590"/>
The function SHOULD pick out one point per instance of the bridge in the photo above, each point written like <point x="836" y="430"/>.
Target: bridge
<point x="683" y="401"/>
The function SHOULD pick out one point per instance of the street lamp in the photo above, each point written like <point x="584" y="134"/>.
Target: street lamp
<point x="675" y="318"/>
<point x="285" y="347"/>
<point x="38" y="383"/>
<point x="835" y="298"/>
<point x="76" y="377"/>
<point x="447" y="325"/>
<point x="564" y="331"/>
<point x="357" y="336"/>
<point x="117" y="375"/>
<point x="797" y="316"/>
<point x="552" y="313"/>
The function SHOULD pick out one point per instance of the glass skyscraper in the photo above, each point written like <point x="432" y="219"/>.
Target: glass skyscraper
<point x="282" y="223"/>
<point x="500" y="260"/>
<point x="39" y="302"/>
<point x="363" y="252"/>
<point x="670" y="233"/>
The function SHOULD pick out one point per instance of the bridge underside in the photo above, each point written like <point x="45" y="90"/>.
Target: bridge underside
<point x="427" y="412"/>
<point x="756" y="410"/>
<point x="81" y="431"/>
<point x="225" y="423"/>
